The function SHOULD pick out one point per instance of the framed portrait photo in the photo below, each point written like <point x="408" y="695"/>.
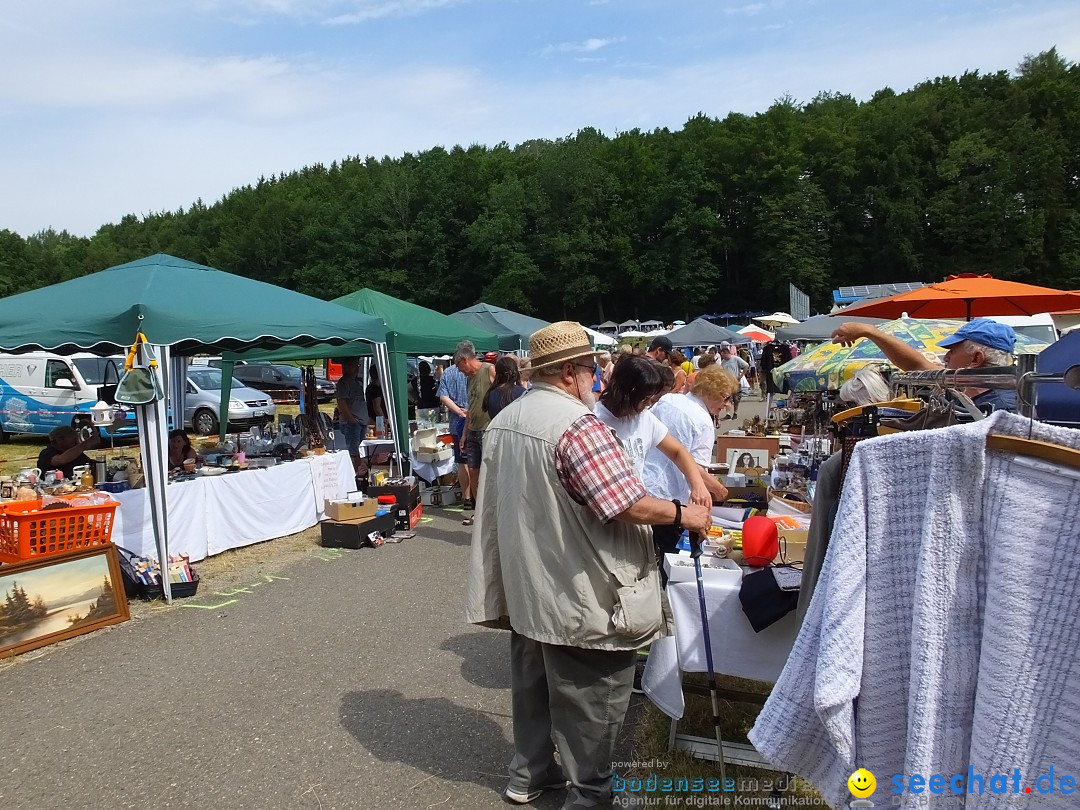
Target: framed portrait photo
<point x="55" y="598"/>
<point x="742" y="458"/>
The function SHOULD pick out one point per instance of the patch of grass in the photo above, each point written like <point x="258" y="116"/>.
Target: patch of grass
<point x="20" y="451"/>
<point x="649" y="746"/>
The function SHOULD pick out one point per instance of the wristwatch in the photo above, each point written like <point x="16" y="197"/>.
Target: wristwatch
<point x="678" y="514"/>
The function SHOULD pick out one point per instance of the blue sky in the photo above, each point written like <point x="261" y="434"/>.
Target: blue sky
<point x="111" y="107"/>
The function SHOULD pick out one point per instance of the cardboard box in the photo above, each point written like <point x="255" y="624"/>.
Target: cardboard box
<point x="350" y="510"/>
<point x="354" y="533"/>
<point x="680" y="568"/>
<point x="408" y="497"/>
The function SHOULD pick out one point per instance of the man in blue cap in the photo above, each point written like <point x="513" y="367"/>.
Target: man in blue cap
<point x="978" y="343"/>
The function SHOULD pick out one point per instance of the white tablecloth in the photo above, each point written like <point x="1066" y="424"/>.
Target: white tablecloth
<point x="737" y="649"/>
<point x="368" y="446"/>
<point x="212" y="514"/>
<point x="429" y="471"/>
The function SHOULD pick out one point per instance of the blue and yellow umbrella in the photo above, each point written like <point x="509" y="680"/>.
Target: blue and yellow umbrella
<point x="830" y="365"/>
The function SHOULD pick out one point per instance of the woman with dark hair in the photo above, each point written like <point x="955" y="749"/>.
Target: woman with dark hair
<point x="636" y="384"/>
<point x="506" y="387"/>
<point x="180" y="449"/>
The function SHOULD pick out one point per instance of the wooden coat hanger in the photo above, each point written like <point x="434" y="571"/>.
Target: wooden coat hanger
<point x="912" y="405"/>
<point x="1047" y="451"/>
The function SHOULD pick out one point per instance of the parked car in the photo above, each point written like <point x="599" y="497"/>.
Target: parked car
<point x="202" y="404"/>
<point x="281" y="382"/>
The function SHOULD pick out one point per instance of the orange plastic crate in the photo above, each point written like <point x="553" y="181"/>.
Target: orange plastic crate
<point x="28" y="533"/>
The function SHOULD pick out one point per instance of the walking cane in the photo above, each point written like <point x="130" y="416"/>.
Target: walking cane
<point x="695" y="552"/>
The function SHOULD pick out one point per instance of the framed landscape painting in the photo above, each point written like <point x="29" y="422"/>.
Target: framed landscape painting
<point x="52" y="599"/>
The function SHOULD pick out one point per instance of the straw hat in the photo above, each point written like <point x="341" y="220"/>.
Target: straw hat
<point x="557" y="343"/>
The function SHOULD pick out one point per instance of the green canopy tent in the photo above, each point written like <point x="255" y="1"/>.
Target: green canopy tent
<point x="513" y="328"/>
<point x="410" y="329"/>
<point x="182" y="308"/>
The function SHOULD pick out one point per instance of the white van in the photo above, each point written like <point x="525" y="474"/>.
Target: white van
<point x="40" y="390"/>
<point x="1037" y="327"/>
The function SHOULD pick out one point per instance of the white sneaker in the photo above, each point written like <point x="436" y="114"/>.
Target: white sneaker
<point x="531" y="796"/>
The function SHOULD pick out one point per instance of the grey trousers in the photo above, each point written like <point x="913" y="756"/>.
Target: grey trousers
<point x="574" y="700"/>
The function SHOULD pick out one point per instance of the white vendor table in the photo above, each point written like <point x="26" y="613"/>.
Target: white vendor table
<point x="737" y="650"/>
<point x="212" y="514"/>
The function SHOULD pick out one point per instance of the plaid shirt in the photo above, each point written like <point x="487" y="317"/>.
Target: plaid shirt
<point x="454" y="384"/>
<point x="594" y="469"/>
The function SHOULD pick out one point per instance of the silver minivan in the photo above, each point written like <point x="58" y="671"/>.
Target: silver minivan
<point x="202" y="403"/>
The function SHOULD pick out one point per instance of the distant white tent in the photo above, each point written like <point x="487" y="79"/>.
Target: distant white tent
<point x="651" y="324"/>
<point x="600" y="339"/>
<point x="656" y="332"/>
<point x="608" y="325"/>
<point x="776" y="319"/>
<point x="632" y="333"/>
<point x="678" y="323"/>
<point x="629" y="325"/>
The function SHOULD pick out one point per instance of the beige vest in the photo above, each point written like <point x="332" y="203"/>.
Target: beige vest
<point x="544" y="564"/>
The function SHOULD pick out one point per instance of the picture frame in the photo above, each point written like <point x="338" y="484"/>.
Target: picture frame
<point x="52" y="599"/>
<point x="725" y="444"/>
<point x="739" y="459"/>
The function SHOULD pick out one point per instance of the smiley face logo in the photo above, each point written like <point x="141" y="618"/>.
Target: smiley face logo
<point x="862" y="783"/>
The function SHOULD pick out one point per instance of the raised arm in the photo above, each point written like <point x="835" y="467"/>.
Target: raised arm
<point x="900" y="354"/>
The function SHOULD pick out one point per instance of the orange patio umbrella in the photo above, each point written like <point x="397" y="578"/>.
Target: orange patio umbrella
<point x="968" y="296"/>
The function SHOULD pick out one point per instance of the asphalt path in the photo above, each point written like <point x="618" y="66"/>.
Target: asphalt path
<point x="344" y="679"/>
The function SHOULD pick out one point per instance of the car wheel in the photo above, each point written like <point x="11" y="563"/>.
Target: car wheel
<point x="4" y="436"/>
<point x="204" y="422"/>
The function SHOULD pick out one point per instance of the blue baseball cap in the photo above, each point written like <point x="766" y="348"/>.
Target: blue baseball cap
<point x="985" y="332"/>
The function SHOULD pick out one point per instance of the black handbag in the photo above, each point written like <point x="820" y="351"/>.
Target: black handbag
<point x="107" y="391"/>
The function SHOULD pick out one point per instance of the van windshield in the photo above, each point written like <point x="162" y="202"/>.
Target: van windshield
<point x="1044" y="333"/>
<point x="93" y="369"/>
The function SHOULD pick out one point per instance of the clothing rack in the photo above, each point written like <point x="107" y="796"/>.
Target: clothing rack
<point x="1021" y="378"/>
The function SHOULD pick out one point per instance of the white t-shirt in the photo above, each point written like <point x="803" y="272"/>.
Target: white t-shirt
<point x="687" y="419"/>
<point x="639" y="434"/>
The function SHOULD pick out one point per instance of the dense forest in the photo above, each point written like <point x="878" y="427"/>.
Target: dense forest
<point x="972" y="174"/>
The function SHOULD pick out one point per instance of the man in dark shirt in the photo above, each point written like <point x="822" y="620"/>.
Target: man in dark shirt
<point x="352" y="408"/>
<point x="978" y="343"/>
<point x="65" y="451"/>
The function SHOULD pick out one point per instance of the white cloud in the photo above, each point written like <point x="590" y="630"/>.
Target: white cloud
<point x="749" y="10"/>
<point x="591" y="45"/>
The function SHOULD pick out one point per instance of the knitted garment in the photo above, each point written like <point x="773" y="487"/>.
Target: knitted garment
<point x="944" y="632"/>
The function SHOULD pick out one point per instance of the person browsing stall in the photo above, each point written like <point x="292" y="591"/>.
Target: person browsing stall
<point x="689" y="418"/>
<point x="977" y="344"/>
<point x="454" y="394"/>
<point x="480" y="377"/>
<point x="65" y="450"/>
<point x="352" y="409"/>
<point x="506" y="386"/>
<point x="737" y="368"/>
<point x="636" y="385"/>
<point x="561" y="557"/>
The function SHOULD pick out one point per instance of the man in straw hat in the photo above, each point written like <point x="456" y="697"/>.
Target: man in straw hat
<point x="562" y="557"/>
